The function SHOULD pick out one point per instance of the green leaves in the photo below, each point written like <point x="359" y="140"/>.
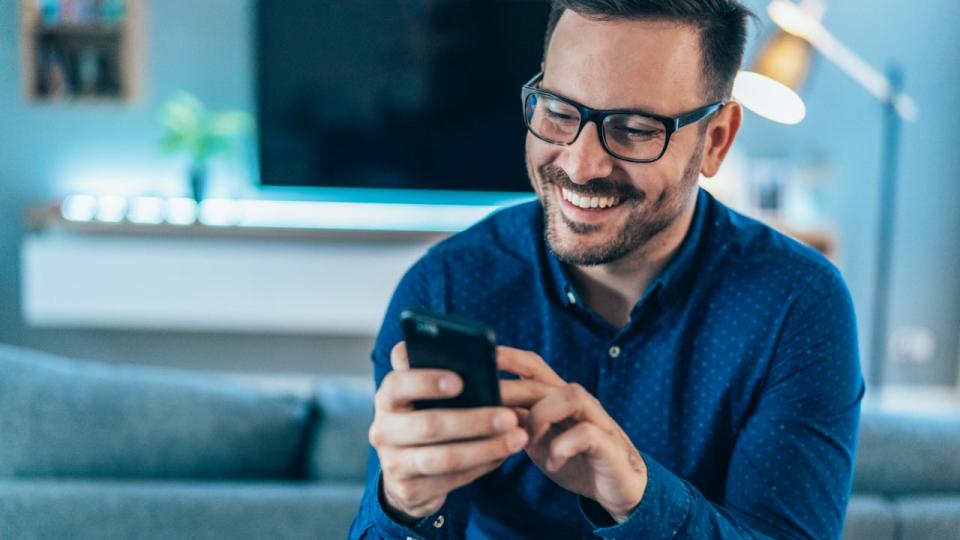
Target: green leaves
<point x="191" y="128"/>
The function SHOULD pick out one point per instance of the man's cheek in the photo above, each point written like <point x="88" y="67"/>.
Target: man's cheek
<point x="535" y="180"/>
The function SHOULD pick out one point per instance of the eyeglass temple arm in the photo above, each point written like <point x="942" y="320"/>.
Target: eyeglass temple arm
<point x="698" y="115"/>
<point x="535" y="78"/>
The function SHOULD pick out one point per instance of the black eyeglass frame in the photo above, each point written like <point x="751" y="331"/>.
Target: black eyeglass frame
<point x="597" y="116"/>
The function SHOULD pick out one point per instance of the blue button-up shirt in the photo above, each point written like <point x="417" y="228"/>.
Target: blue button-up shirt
<point x="737" y="378"/>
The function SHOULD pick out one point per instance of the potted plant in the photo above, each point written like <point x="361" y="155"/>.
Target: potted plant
<point x="201" y="134"/>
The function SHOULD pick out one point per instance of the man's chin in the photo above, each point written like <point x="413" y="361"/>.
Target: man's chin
<point x="580" y="244"/>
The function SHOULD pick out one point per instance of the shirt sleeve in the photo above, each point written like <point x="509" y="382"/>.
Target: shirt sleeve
<point x="421" y="286"/>
<point x="792" y="464"/>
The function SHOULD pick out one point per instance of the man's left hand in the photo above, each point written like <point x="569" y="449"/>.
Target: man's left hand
<point x="572" y="439"/>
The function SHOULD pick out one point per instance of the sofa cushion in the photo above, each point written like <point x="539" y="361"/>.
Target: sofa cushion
<point x="340" y="444"/>
<point x="869" y="518"/>
<point x="170" y="510"/>
<point x="928" y="518"/>
<point x="62" y="417"/>
<point x="903" y="453"/>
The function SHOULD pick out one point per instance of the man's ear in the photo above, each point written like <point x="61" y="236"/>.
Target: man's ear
<point x="721" y="132"/>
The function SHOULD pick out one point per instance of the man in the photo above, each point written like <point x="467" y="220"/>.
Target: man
<point x="683" y="371"/>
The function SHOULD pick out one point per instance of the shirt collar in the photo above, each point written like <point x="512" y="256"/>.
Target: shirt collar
<point x="675" y="278"/>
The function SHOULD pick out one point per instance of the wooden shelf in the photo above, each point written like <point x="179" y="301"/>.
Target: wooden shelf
<point x="80" y="31"/>
<point x="72" y="51"/>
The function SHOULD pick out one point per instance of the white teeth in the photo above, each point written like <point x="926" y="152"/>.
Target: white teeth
<point x="583" y="201"/>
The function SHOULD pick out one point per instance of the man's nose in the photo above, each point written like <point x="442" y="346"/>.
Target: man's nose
<point x="586" y="158"/>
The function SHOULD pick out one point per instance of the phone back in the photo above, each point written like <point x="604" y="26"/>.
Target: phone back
<point x="463" y="346"/>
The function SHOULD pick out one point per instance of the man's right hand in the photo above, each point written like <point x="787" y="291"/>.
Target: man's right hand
<point x="426" y="454"/>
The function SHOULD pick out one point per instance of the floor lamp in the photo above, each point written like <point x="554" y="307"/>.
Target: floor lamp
<point x="772" y="91"/>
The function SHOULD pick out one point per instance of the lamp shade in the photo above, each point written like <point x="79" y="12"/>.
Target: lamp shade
<point x="786" y="59"/>
<point x="769" y="98"/>
<point x="772" y="86"/>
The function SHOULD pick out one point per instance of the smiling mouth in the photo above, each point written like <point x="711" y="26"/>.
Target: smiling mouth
<point x="588" y="202"/>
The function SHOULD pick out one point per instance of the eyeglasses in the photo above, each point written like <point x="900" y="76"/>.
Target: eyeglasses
<point x="627" y="134"/>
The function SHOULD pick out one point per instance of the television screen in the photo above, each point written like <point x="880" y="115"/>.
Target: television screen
<point x="410" y="94"/>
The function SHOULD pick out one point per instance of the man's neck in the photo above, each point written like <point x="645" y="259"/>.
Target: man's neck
<point x="613" y="289"/>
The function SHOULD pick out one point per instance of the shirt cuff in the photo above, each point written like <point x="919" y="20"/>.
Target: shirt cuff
<point x="662" y="512"/>
<point x="429" y="527"/>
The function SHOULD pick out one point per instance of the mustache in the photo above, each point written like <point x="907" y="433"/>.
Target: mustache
<point x="598" y="187"/>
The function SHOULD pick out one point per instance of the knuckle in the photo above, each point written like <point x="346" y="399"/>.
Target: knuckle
<point x="389" y="467"/>
<point x="428" y="427"/>
<point x="380" y="400"/>
<point x="577" y="392"/>
<point x="440" y="461"/>
<point x="404" y="491"/>
<point x="375" y="435"/>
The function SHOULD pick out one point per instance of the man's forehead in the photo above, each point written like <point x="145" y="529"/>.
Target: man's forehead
<point x="648" y="64"/>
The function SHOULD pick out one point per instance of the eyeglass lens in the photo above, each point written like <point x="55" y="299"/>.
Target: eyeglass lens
<point x="631" y="136"/>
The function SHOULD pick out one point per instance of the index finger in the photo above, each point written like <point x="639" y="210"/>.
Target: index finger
<point x="400" y="389"/>
<point x="398" y="357"/>
<point x="523" y="393"/>
<point x="527" y="365"/>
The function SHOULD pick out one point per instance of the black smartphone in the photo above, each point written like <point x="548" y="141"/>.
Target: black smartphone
<point x="464" y="346"/>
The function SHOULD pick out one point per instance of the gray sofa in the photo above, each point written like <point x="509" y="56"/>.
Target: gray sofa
<point x="907" y="479"/>
<point x="95" y="451"/>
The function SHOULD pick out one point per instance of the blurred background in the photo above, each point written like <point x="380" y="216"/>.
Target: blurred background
<point x="83" y="114"/>
<point x="232" y="189"/>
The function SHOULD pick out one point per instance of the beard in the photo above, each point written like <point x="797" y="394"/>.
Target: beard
<point x="644" y="220"/>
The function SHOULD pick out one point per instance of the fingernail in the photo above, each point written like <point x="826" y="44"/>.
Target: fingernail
<point x="516" y="440"/>
<point x="503" y="421"/>
<point x="447" y="385"/>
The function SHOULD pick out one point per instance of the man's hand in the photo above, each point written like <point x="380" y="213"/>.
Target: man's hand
<point x="424" y="455"/>
<point x="572" y="438"/>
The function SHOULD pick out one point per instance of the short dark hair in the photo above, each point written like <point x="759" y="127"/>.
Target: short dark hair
<point x="722" y="25"/>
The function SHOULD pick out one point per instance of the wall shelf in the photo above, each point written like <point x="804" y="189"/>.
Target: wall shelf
<point x="81" y="50"/>
<point x="284" y="267"/>
<point x="313" y="284"/>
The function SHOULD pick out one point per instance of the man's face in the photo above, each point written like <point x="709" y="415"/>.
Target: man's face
<point x="649" y="65"/>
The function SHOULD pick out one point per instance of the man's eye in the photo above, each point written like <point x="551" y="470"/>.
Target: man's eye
<point x="558" y="115"/>
<point x="637" y="133"/>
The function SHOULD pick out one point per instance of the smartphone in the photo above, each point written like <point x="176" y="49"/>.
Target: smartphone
<point x="464" y="346"/>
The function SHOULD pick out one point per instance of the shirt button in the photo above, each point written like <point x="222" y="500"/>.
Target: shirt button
<point x="614" y="351"/>
<point x="439" y="522"/>
<point x="571" y="297"/>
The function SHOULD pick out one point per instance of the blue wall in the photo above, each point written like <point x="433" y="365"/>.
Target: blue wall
<point x="48" y="150"/>
<point x="843" y="126"/>
<point x="204" y="46"/>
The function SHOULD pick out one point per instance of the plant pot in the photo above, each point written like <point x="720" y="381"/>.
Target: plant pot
<point x="198" y="182"/>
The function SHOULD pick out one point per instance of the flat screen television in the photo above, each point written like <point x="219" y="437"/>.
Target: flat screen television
<point x="408" y="94"/>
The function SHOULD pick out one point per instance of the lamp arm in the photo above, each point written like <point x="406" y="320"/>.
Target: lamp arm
<point x="860" y="71"/>
<point x="795" y="20"/>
